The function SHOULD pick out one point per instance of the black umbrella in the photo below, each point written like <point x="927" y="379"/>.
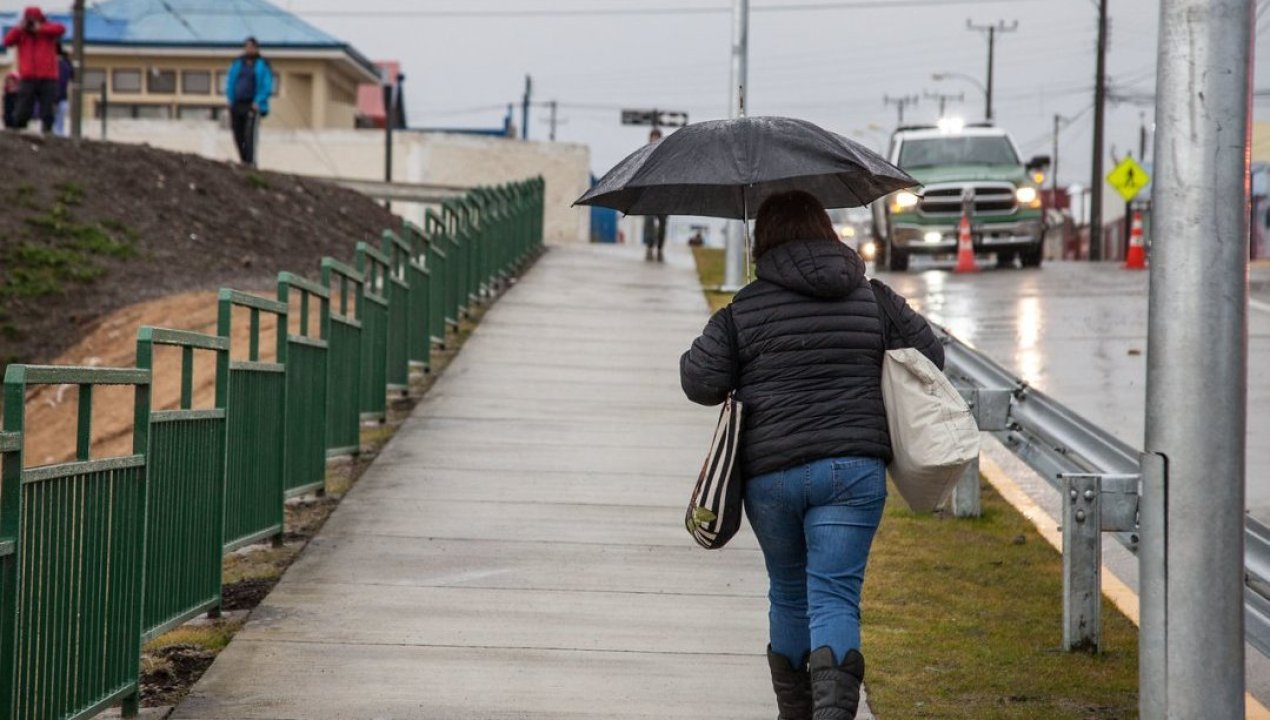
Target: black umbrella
<point x="727" y="168"/>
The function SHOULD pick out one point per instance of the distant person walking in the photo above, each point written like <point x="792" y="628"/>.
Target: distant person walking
<point x="65" y="76"/>
<point x="802" y="348"/>
<point x="36" y="39"/>
<point x="248" y="87"/>
<point x="654" y="225"/>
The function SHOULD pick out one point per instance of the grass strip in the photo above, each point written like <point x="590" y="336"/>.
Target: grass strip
<point x="963" y="618"/>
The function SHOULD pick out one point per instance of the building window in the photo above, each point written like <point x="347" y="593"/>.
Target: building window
<point x="94" y="80"/>
<point x="129" y="111"/>
<point x="277" y="84"/>
<point x="153" y="112"/>
<point x="126" y="81"/>
<point x="198" y="112"/>
<point x="196" y="82"/>
<point x="222" y="79"/>
<point x="162" y="82"/>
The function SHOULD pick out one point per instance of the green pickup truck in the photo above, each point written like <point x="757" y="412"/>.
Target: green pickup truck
<point x="979" y="166"/>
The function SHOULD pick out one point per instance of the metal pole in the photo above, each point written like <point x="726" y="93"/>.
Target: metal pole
<point x="1058" y="120"/>
<point x="553" y="105"/>
<point x="77" y="88"/>
<point x="992" y="42"/>
<point x="1096" y="180"/>
<point x="524" y="108"/>
<point x="390" y="118"/>
<point x="735" y="261"/>
<point x="1196" y="419"/>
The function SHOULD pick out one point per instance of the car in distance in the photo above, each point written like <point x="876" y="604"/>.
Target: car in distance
<point x="978" y="163"/>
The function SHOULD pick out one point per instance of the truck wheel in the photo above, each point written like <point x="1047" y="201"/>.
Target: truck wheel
<point x="1005" y="260"/>
<point x="898" y="260"/>
<point x="1031" y="258"/>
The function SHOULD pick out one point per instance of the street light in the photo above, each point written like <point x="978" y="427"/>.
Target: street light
<point x="941" y="76"/>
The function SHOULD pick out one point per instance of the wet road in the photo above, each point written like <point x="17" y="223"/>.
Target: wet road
<point x="1078" y="332"/>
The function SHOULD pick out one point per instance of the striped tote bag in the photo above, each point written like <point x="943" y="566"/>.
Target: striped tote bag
<point x="714" y="513"/>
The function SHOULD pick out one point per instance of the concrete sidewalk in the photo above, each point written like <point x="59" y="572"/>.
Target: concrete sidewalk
<point x="518" y="550"/>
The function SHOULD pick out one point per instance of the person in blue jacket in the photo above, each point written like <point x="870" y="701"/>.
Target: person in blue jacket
<point x="248" y="87"/>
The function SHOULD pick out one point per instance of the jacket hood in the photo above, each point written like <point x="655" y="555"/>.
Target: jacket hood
<point x="33" y="13"/>
<point x="820" y="268"/>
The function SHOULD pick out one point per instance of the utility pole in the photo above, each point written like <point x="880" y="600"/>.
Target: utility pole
<point x="524" y="108"/>
<point x="392" y="104"/>
<point x="1058" y="123"/>
<point x="735" y="259"/>
<point x="77" y="87"/>
<point x="552" y="104"/>
<point x="1191" y="647"/>
<point x="943" y="99"/>
<point x="900" y="103"/>
<point x="991" y="30"/>
<point x="1142" y="137"/>
<point x="1100" y="96"/>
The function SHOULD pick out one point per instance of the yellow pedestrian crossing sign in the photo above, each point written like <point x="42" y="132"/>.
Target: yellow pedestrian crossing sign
<point x="1128" y="178"/>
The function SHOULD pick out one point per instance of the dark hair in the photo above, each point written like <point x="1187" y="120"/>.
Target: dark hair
<point x="251" y="39"/>
<point x="788" y="216"/>
<point x="654" y="133"/>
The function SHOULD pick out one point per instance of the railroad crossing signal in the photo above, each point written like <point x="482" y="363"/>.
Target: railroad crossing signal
<point x="656" y="118"/>
<point x="1128" y="178"/>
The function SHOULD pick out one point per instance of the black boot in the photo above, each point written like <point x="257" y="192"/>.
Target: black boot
<point x="835" y="689"/>
<point x="792" y="686"/>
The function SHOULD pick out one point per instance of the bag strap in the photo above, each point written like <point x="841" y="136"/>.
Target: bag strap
<point x="888" y="312"/>
<point x="735" y="347"/>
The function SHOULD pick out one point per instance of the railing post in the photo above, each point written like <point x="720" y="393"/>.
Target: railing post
<point x="1082" y="563"/>
<point x="965" y="496"/>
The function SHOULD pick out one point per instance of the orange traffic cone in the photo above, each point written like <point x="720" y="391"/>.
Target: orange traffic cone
<point x="1136" y="258"/>
<point x="965" y="247"/>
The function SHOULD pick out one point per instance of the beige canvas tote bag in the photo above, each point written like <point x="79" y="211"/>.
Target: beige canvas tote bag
<point x="934" y="436"/>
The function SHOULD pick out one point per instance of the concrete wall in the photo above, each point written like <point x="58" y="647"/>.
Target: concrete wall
<point x="417" y="158"/>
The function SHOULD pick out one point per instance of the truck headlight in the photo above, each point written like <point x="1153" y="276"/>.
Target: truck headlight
<point x="847" y="232"/>
<point x="1028" y="196"/>
<point x="903" y="200"/>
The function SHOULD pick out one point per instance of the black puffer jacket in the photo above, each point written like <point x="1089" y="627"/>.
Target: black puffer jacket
<point x="808" y="359"/>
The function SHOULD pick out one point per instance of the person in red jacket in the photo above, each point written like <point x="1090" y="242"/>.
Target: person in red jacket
<point x="36" y="39"/>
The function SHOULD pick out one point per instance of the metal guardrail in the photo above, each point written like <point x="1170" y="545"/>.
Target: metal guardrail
<point x="1064" y="447"/>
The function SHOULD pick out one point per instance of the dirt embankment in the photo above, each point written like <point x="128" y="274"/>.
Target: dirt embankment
<point x="91" y="228"/>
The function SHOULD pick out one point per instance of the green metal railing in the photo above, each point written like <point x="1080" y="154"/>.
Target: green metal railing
<point x="97" y="555"/>
<point x="374" y="391"/>
<point x="255" y="392"/>
<point x="305" y="358"/>
<point x="405" y="263"/>
<point x="185" y="504"/>
<point x="398" y="291"/>
<point x="432" y="243"/>
<point x="344" y="365"/>
<point x="79" y="528"/>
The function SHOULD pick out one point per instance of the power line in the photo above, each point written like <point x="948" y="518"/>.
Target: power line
<point x="600" y="12"/>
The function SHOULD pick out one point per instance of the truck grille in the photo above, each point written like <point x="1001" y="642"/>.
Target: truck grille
<point x="990" y="199"/>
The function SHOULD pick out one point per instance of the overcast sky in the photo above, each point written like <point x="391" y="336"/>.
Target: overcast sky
<point x="466" y="59"/>
<point x="830" y="66"/>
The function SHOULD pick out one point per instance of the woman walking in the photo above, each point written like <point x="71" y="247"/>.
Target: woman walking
<point x="802" y="346"/>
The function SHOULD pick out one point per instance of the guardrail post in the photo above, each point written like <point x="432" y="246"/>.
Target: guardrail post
<point x="965" y="496"/>
<point x="1082" y="563"/>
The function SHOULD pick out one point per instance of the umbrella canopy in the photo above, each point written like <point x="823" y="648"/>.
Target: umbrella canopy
<point x="727" y="168"/>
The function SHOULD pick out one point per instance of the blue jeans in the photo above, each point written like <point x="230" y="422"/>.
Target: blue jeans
<point x="815" y="523"/>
